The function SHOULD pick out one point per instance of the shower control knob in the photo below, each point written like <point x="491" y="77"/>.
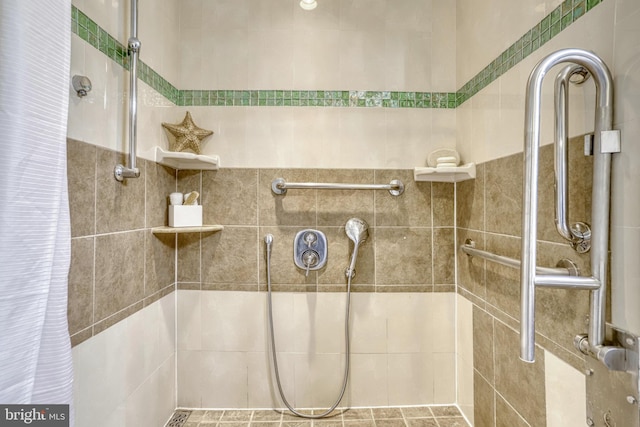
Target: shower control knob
<point x="310" y="259"/>
<point x="310" y="238"/>
<point x="310" y="250"/>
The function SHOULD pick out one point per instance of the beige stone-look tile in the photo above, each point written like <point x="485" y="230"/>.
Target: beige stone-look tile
<point x="360" y="423"/>
<point x="211" y="416"/>
<point x="445" y="411"/>
<point x="340" y="252"/>
<point x="396" y="422"/>
<point x="105" y="324"/>
<point x="283" y="269"/>
<point x="80" y="300"/>
<point x="511" y="374"/>
<point x="506" y="416"/>
<point x="484" y="402"/>
<point x="189" y="180"/>
<point x="403" y="256"/>
<point x="119" y="205"/>
<point x="357" y="414"/>
<point x="266" y="415"/>
<point x="471" y="270"/>
<point x="159" y="262"/>
<point x="81" y="336"/>
<point x="296" y="423"/>
<point x="160" y="182"/>
<point x="81" y="177"/>
<point x="422" y="422"/>
<point x="236" y="415"/>
<point x="503" y="201"/>
<point x="189" y="257"/>
<point x="295" y="208"/>
<point x="452" y="422"/>
<point x="443" y="200"/>
<point x="386" y="413"/>
<point x="444" y="256"/>
<point x="580" y="178"/>
<point x="470" y="201"/>
<point x="561" y="314"/>
<point x="483" y="354"/>
<point x="335" y="207"/>
<point x="503" y="283"/>
<point x="230" y="196"/>
<point x="417" y="412"/>
<point x="411" y="208"/>
<point x="230" y="256"/>
<point x="119" y="274"/>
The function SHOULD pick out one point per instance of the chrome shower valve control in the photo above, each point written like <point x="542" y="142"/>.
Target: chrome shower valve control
<point x="310" y="250"/>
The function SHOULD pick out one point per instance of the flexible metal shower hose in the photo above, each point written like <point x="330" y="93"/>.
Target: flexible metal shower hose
<point x="275" y="356"/>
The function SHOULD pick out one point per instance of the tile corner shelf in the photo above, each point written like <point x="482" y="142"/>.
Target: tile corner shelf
<point x="180" y="230"/>
<point x="183" y="160"/>
<point x="445" y="174"/>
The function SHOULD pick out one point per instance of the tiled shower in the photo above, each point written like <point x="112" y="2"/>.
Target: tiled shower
<point x="352" y="92"/>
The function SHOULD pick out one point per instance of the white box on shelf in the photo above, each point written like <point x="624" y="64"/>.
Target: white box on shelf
<point x="185" y="215"/>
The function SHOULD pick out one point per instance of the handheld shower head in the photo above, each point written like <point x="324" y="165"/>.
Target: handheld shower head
<point x="357" y="230"/>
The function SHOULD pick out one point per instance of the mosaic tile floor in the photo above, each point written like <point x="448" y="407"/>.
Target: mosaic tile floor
<point x="413" y="416"/>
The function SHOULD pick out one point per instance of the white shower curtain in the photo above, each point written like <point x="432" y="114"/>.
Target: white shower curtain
<point x="35" y="353"/>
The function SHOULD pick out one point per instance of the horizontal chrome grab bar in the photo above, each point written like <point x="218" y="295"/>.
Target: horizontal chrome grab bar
<point x="470" y="249"/>
<point x="564" y="282"/>
<point x="280" y="186"/>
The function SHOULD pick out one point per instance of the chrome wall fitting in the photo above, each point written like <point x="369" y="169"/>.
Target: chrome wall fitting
<point x="81" y="84"/>
<point x="310" y="250"/>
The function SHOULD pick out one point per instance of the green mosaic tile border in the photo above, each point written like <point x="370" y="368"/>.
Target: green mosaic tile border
<point x="550" y="26"/>
<point x="317" y="98"/>
<point x="97" y="37"/>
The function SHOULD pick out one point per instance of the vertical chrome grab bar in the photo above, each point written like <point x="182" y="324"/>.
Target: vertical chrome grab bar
<point x="579" y="234"/>
<point x="121" y="172"/>
<point x="600" y="194"/>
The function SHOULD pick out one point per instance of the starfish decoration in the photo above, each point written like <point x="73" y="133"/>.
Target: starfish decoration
<point x="188" y="136"/>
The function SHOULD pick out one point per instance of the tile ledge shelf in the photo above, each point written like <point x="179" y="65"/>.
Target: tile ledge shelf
<point x="184" y="161"/>
<point x="181" y="230"/>
<point x="445" y="174"/>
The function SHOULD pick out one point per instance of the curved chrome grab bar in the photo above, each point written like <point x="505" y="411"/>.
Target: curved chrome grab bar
<point x="579" y="234"/>
<point x="600" y="196"/>
<point x="121" y="172"/>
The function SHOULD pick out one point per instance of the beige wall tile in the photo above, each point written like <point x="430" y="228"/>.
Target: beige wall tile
<point x="160" y="182"/>
<point x="296" y="207"/>
<point x="119" y="280"/>
<point x="470" y="199"/>
<point x="484" y="402"/>
<point x="230" y="256"/>
<point x="159" y="262"/>
<point x="119" y="205"/>
<point x="411" y="208"/>
<point x="503" y="203"/>
<point x="506" y="415"/>
<point x="511" y="374"/>
<point x="444" y="255"/>
<point x="410" y="247"/>
<point x="230" y="196"/>
<point x="188" y="262"/>
<point x="483" y="350"/>
<point x="566" y="393"/>
<point x="335" y="207"/>
<point x="81" y="176"/>
<point x="80" y="300"/>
